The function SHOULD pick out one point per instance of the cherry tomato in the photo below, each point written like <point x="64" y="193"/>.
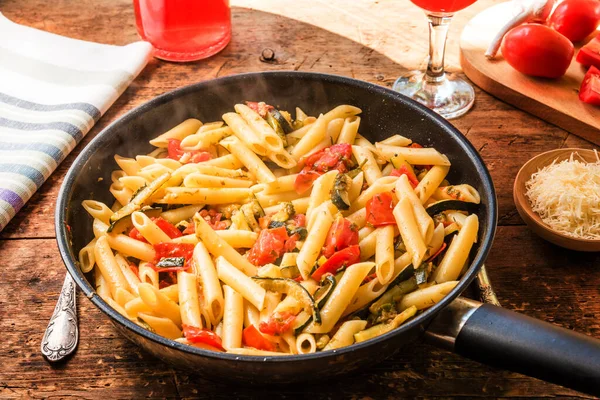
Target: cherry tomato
<point x="403" y="170"/>
<point x="590" y="53"/>
<point x="170" y="249"/>
<point x="576" y="19"/>
<point x="175" y="152"/>
<point x="253" y="338"/>
<point x="164" y="226"/>
<point x="341" y="235"/>
<point x="341" y="259"/>
<point x="337" y="157"/>
<point x="213" y="218"/>
<point x="135" y="269"/>
<point x="590" y="87"/>
<point x="269" y="246"/>
<point x="277" y="324"/>
<point x="379" y="210"/>
<point x="261" y="108"/>
<point x="199" y="335"/>
<point x="300" y="220"/>
<point x="537" y="50"/>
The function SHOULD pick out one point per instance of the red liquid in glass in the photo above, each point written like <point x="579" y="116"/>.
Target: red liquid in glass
<point x="184" y="30"/>
<point x="443" y="6"/>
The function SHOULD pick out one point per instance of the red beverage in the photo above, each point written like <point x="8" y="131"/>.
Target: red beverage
<point x="184" y="30"/>
<point x="443" y="6"/>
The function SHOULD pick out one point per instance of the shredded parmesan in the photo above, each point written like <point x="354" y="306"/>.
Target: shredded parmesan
<point x="566" y="195"/>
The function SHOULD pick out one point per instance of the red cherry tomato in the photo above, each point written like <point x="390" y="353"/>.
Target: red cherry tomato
<point x="403" y="170"/>
<point x="199" y="335"/>
<point x="537" y="50"/>
<point x="341" y="259"/>
<point x="590" y="87"/>
<point x="253" y="338"/>
<point x="590" y="53"/>
<point x="341" y="235"/>
<point x="337" y="157"/>
<point x="277" y="324"/>
<point x="175" y="152"/>
<point x="379" y="210"/>
<point x="576" y="19"/>
<point x="170" y="249"/>
<point x="271" y="244"/>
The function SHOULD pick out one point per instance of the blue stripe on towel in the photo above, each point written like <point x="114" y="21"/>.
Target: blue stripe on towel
<point x="33" y="174"/>
<point x="71" y="129"/>
<point x="90" y="109"/>
<point x="12" y="198"/>
<point x="48" y="149"/>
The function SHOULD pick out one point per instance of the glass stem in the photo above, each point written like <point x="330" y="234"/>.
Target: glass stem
<point x="438" y="32"/>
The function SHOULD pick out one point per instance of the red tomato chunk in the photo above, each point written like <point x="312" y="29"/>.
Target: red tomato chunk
<point x="379" y="210"/>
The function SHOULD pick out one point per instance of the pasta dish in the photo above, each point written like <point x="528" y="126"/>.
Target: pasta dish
<point x="263" y="234"/>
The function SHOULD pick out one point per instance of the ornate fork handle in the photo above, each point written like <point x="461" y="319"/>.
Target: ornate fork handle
<point x="62" y="334"/>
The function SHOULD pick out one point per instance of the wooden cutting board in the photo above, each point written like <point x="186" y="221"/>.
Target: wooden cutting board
<point x="554" y="100"/>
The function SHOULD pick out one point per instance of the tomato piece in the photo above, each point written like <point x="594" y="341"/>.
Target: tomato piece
<point x="202" y="335"/>
<point x="590" y="53"/>
<point x="213" y="218"/>
<point x="261" y="108"/>
<point x="305" y="179"/>
<point x="190" y="229"/>
<point x="415" y="145"/>
<point x="300" y="220"/>
<point x="575" y="19"/>
<point x="135" y="234"/>
<point x="379" y="210"/>
<point x="277" y="324"/>
<point x="403" y="170"/>
<point x="437" y="253"/>
<point x="537" y="50"/>
<point x="590" y="87"/>
<point x="342" y="234"/>
<point x="167" y="227"/>
<point x="333" y="157"/>
<point x="369" y="278"/>
<point x="341" y="259"/>
<point x="253" y="338"/>
<point x="175" y="152"/>
<point x="169" y="249"/>
<point x="269" y="246"/>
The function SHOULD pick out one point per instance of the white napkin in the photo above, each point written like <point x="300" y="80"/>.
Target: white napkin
<point x="52" y="91"/>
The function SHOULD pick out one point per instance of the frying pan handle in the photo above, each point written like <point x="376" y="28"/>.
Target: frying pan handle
<point x="508" y="340"/>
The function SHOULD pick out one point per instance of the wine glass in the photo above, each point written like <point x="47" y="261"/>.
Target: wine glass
<point x="447" y="94"/>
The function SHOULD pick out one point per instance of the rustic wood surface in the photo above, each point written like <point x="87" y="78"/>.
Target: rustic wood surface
<point x="370" y="40"/>
<point x="554" y="100"/>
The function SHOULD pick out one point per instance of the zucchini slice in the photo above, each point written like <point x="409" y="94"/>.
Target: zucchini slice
<point x="339" y="193"/>
<point x="289" y="271"/>
<point x="139" y="199"/>
<point x="281" y="120"/>
<point x="323" y="293"/>
<point x="277" y="127"/>
<point x="286" y="212"/>
<point x="444" y="205"/>
<point x="301" y="322"/>
<point x="170" y="262"/>
<point x="294" y="289"/>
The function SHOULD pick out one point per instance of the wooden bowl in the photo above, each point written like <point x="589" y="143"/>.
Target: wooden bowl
<point x="531" y="218"/>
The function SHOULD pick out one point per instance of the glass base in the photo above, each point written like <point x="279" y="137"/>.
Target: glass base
<point x="192" y="56"/>
<point x="450" y="96"/>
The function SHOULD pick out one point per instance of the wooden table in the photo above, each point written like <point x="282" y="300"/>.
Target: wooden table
<point x="373" y="40"/>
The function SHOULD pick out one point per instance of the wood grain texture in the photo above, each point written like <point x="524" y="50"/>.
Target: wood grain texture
<point x="554" y="100"/>
<point x="370" y="40"/>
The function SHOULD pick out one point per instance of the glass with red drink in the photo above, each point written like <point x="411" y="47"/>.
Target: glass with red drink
<point x="184" y="30"/>
<point x="447" y="94"/>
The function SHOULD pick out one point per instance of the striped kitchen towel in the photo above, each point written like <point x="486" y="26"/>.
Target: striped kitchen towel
<point x="52" y="91"/>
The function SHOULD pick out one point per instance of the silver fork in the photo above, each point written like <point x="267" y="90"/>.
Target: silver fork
<point x="62" y="334"/>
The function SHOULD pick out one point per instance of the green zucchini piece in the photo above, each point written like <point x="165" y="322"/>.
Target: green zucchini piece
<point x="139" y="199"/>
<point x="339" y="193"/>
<point x="170" y="262"/>
<point x="281" y="120"/>
<point x="286" y="212"/>
<point x="323" y="293"/>
<point x="294" y="289"/>
<point x="301" y="231"/>
<point x="301" y="322"/>
<point x="444" y="205"/>
<point x="276" y="224"/>
<point x="274" y="123"/>
<point x="380" y="329"/>
<point x="289" y="271"/>
<point x="421" y="275"/>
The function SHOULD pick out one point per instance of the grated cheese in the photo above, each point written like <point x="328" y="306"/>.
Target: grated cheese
<point x="566" y="195"/>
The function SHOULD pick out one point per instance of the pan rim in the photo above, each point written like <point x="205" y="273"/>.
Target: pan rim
<point x="67" y="187"/>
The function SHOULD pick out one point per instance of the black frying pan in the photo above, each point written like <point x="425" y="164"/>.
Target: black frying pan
<point x="482" y="332"/>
